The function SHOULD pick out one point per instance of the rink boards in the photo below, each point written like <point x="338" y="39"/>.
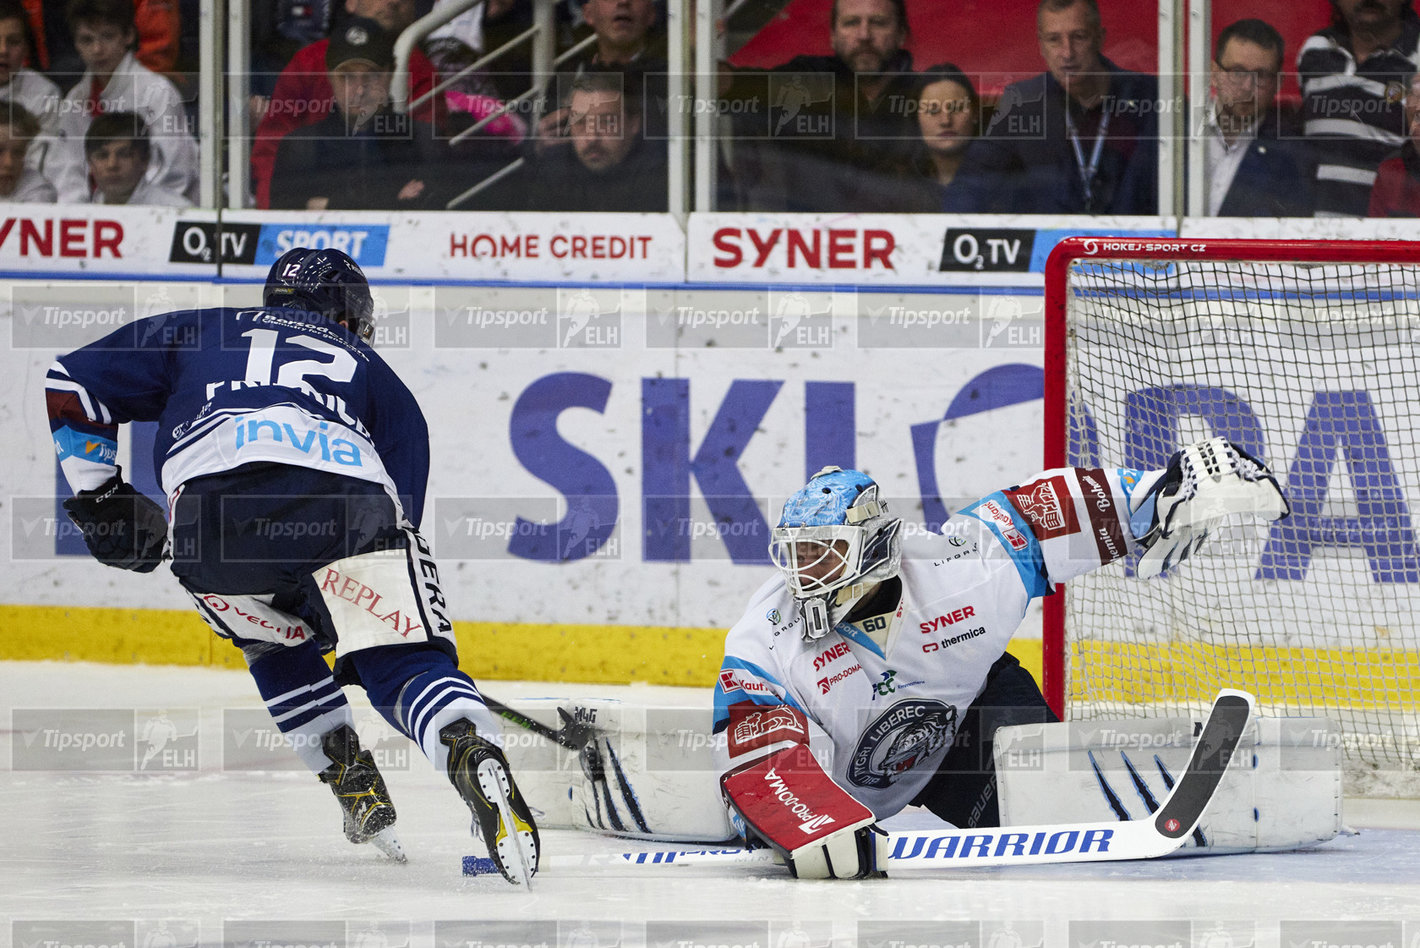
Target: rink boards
<point x="610" y="442"/>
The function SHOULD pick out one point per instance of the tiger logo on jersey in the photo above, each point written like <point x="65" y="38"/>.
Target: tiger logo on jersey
<point x="900" y="739"/>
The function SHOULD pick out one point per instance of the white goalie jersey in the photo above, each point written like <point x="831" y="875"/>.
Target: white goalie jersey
<point x="878" y="700"/>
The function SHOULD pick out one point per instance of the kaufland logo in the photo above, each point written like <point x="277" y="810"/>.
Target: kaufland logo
<point x="729" y="681"/>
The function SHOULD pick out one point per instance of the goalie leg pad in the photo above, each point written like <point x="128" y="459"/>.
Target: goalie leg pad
<point x="1285" y="792"/>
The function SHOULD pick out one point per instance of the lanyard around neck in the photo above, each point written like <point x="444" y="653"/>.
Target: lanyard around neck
<point x="1087" y="171"/>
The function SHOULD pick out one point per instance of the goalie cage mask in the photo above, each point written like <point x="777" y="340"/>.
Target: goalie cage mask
<point x="835" y="540"/>
<point x="324" y="281"/>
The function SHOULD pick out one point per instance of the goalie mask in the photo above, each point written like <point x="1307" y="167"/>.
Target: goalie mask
<point x="834" y="542"/>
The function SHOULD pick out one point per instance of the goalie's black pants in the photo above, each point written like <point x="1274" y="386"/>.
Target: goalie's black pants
<point x="963" y="791"/>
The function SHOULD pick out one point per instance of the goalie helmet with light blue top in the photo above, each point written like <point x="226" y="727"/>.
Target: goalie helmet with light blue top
<point x="834" y="542"/>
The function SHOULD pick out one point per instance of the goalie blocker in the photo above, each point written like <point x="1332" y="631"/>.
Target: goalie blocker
<point x="821" y="832"/>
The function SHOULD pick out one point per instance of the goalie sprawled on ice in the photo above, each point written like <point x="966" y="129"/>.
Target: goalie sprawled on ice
<point x="861" y="681"/>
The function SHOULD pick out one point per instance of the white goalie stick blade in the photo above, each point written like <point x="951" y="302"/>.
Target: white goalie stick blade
<point x="1149" y="837"/>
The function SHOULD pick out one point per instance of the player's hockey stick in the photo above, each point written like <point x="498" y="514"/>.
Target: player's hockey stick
<point x="597" y="763"/>
<point x="571" y="735"/>
<point x="1145" y="838"/>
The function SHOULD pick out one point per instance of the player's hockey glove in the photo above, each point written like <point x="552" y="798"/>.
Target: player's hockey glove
<point x="1202" y="484"/>
<point x="818" y="829"/>
<point x="121" y="527"/>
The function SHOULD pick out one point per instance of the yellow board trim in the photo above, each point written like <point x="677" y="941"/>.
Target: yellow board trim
<point x="602" y="654"/>
<point x="1292" y="677"/>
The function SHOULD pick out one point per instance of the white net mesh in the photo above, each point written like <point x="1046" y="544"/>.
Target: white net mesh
<point x="1311" y="368"/>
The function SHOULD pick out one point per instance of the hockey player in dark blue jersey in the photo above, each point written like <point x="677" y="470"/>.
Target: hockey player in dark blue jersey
<point x="295" y="463"/>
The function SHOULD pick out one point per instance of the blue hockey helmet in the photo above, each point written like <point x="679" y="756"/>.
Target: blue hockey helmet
<point x="324" y="281"/>
<point x="834" y="542"/>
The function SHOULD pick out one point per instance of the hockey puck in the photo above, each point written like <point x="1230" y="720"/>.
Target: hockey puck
<point x="478" y="865"/>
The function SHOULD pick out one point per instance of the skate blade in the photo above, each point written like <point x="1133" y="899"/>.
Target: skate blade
<point x="511" y="842"/>
<point x="386" y="842"/>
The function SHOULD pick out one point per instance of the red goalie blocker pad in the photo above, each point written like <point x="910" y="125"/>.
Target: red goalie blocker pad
<point x="789" y="802"/>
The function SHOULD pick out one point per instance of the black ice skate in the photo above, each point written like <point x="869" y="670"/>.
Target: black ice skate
<point x="361" y="791"/>
<point x="479" y="771"/>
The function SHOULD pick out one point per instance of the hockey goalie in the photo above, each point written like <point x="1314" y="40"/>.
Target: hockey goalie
<point x="861" y="681"/>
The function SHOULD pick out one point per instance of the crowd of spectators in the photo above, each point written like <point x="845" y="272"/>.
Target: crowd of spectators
<point x="143" y="149"/>
<point x="859" y="130"/>
<point x="1083" y="136"/>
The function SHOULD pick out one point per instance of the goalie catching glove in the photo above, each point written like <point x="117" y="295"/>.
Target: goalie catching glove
<point x="121" y="527"/>
<point x="1202" y="484"/>
<point x="787" y="801"/>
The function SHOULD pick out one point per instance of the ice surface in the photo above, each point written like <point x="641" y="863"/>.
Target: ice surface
<point x="206" y="849"/>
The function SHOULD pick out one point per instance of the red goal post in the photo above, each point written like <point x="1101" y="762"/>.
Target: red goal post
<point x="1308" y="350"/>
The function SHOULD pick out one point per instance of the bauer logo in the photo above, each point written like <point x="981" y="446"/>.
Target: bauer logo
<point x="976" y="251"/>
<point x="896" y="933"/>
<point x="284" y="933"/>
<point x="496" y="933"/>
<point x="60" y="317"/>
<point x="1109" y="933"/>
<point x="113" y="933"/>
<point x="208" y="242"/>
<point x="365" y="243"/>
<point x="717" y="934"/>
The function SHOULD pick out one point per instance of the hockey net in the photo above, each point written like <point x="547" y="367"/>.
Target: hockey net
<point x="1305" y="354"/>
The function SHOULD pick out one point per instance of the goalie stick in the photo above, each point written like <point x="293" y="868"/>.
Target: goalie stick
<point x="1148" y="837"/>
